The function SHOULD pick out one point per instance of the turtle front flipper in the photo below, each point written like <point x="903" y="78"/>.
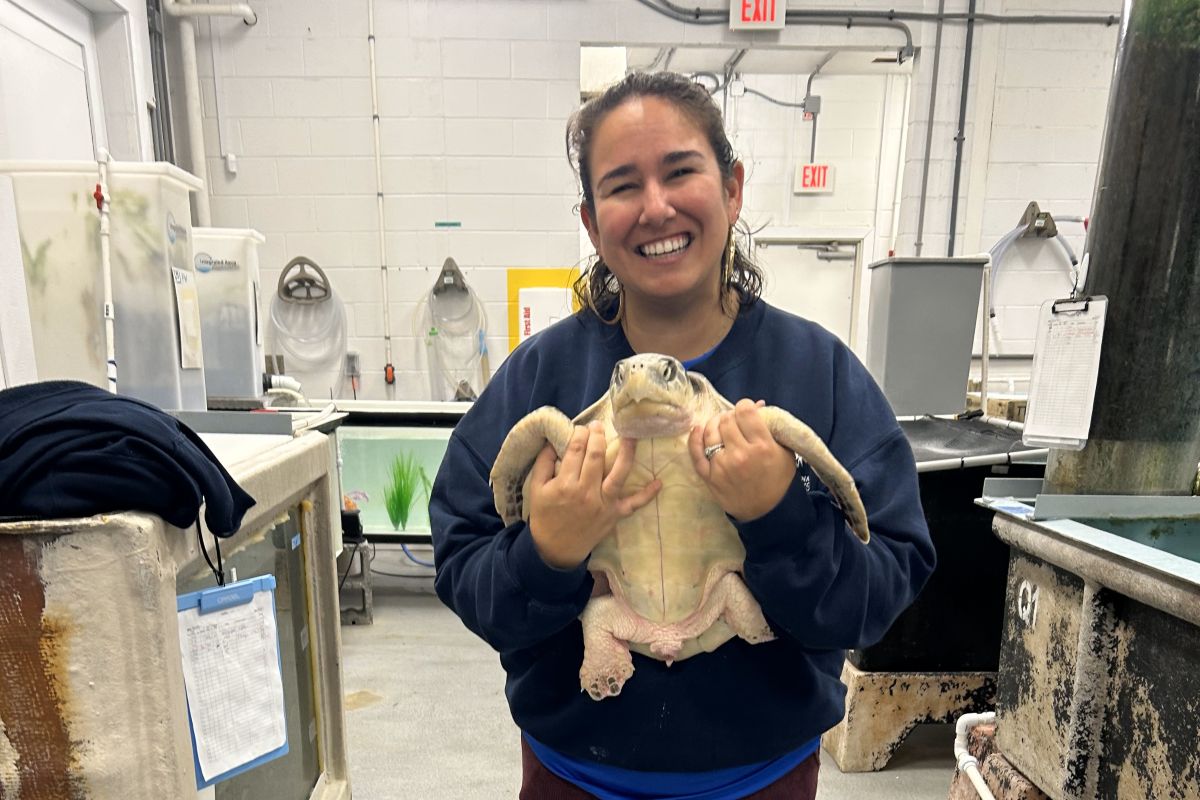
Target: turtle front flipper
<point x="800" y="439"/>
<point x="519" y="451"/>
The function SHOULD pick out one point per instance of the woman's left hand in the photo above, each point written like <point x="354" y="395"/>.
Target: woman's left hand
<point x="752" y="472"/>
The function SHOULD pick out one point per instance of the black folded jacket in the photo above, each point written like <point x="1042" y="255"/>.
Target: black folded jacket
<point x="69" y="449"/>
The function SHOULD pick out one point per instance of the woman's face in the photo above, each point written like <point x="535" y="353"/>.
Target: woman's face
<point x="662" y="209"/>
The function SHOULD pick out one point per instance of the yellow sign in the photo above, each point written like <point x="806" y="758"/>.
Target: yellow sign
<point x="542" y="278"/>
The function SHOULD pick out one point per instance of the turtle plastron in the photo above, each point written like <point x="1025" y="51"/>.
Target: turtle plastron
<point x="611" y="630"/>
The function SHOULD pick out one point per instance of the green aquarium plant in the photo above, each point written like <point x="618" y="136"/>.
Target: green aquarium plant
<point x="407" y="482"/>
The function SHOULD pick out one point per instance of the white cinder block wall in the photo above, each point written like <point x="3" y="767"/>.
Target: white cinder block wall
<point x="473" y="99"/>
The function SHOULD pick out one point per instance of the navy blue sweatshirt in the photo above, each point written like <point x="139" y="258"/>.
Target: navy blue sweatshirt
<point x="820" y="588"/>
<point x="69" y="449"/>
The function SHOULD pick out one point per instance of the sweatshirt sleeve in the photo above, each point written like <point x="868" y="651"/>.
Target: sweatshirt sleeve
<point x="492" y="576"/>
<point x="812" y="576"/>
<point x="817" y="581"/>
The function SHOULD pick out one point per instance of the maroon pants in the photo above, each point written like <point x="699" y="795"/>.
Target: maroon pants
<point x="539" y="783"/>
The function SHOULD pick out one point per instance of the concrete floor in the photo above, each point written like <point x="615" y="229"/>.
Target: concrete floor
<point x="426" y="715"/>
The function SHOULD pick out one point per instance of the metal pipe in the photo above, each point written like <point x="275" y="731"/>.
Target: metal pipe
<point x="933" y="87"/>
<point x="389" y="371"/>
<point x="841" y="19"/>
<point x="812" y="155"/>
<point x="961" y="135"/>
<point x="704" y="15"/>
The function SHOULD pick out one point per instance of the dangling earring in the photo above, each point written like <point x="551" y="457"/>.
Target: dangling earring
<point x="727" y="264"/>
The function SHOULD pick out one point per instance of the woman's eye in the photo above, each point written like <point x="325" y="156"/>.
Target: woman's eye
<point x="681" y="172"/>
<point x="621" y="188"/>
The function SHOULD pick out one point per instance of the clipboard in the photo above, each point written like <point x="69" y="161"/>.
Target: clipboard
<point x="233" y="678"/>
<point x="1066" y="363"/>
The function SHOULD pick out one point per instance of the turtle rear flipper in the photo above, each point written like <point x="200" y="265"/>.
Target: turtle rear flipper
<point x="800" y="439"/>
<point x="519" y="451"/>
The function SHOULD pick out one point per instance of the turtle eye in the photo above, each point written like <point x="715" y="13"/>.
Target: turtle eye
<point x="668" y="371"/>
<point x="618" y="376"/>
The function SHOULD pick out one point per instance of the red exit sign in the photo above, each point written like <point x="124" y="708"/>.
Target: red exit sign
<point x="813" y="179"/>
<point x="757" y="14"/>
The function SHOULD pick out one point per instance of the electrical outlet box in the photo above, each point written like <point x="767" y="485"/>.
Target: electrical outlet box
<point x="353" y="367"/>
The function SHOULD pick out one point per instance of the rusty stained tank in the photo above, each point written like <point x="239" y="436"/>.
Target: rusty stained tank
<point x="1144" y="247"/>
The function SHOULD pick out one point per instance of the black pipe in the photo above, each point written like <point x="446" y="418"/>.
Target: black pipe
<point x="961" y="136"/>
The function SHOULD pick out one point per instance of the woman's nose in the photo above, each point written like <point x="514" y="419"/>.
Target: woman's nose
<point x="656" y="205"/>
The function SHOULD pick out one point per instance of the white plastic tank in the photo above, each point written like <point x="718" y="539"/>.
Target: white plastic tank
<point x="157" y="317"/>
<point x="226" y="265"/>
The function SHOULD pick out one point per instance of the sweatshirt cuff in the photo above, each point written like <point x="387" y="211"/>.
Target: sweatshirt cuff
<point x="539" y="580"/>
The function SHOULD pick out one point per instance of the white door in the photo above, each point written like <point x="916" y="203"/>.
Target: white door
<point x="813" y="279"/>
<point x="49" y="85"/>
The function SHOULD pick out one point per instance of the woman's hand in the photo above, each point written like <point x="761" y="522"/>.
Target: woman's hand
<point x="752" y="472"/>
<point x="572" y="504"/>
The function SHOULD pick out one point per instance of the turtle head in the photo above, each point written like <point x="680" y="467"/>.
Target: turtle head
<point x="651" y="395"/>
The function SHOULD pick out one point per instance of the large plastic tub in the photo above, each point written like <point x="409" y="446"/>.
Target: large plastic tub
<point x="920" y="326"/>
<point x="1098" y="689"/>
<point x="226" y="263"/>
<point x="157" y="324"/>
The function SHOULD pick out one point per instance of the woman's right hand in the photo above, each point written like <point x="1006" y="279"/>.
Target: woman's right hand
<point x="573" y="505"/>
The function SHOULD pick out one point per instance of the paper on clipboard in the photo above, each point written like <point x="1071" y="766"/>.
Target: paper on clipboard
<point x="1066" y="363"/>
<point x="232" y="677"/>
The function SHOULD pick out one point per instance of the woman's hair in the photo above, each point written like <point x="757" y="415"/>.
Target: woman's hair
<point x="597" y="288"/>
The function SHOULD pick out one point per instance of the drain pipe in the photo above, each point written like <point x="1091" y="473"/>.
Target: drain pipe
<point x="967" y="763"/>
<point x="102" y="205"/>
<point x="389" y="371"/>
<point x="184" y="10"/>
<point x="933" y="87"/>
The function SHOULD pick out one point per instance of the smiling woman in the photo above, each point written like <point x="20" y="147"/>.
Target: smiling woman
<point x="661" y="188"/>
<point x="742" y="715"/>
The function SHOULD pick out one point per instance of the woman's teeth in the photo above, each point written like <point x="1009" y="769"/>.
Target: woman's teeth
<point x="665" y="247"/>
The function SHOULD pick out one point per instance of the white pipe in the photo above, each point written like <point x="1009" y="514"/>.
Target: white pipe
<point x="982" y="461"/>
<point x="1001" y="422"/>
<point x="898" y="195"/>
<point x="283" y="382"/>
<point x="986" y="323"/>
<point x="184" y="8"/>
<point x="194" y="115"/>
<point x="298" y="398"/>
<point x="110" y="338"/>
<point x="383" y="270"/>
<point x="966" y="762"/>
<point x="193" y="110"/>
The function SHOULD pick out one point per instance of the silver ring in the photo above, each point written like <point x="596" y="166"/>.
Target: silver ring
<point x="713" y="449"/>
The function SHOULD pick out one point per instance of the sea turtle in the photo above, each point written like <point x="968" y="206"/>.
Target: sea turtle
<point x="668" y="580"/>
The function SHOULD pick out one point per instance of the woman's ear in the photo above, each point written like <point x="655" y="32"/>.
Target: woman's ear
<point x="589" y="224"/>
<point x="734" y="195"/>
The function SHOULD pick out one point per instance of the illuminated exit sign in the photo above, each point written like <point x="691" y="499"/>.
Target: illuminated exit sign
<point x="813" y="179"/>
<point x="756" y="14"/>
